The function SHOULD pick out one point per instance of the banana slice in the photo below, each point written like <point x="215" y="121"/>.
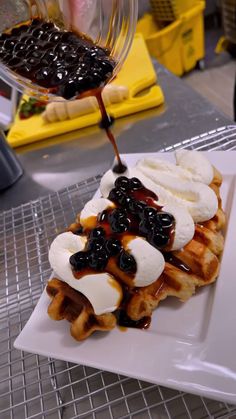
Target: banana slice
<point x="63" y="109"/>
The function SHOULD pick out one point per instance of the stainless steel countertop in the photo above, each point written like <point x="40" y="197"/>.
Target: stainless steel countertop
<point x="59" y="162"/>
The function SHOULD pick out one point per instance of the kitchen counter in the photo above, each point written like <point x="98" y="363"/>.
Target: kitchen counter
<point x="65" y="160"/>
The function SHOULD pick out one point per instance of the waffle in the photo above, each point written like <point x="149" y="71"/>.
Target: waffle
<point x="66" y="303"/>
<point x="196" y="265"/>
<point x="201" y="256"/>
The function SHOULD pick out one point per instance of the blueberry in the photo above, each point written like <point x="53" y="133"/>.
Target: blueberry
<point x="120" y="226"/>
<point x="68" y="90"/>
<point x="33" y="62"/>
<point x="43" y="75"/>
<point x="55" y="37"/>
<point x="68" y="37"/>
<point x="123" y="183"/>
<point x="96" y="233"/>
<point x="47" y="25"/>
<point x="106" y="66"/>
<point x="49" y="58"/>
<point x="19" y="47"/>
<point x="28" y="40"/>
<point x="63" y="48"/>
<point x="38" y="32"/>
<point x="149" y="212"/>
<point x="126" y="201"/>
<point x="165" y="219"/>
<point x="97" y="52"/>
<point x="14" y="62"/>
<point x="127" y="262"/>
<point x="71" y="58"/>
<point x="98" y="260"/>
<point x="117" y="214"/>
<point x="135" y="184"/>
<point x="116" y="195"/>
<point x="106" y="122"/>
<point x="84" y="83"/>
<point x="79" y="260"/>
<point x="38" y="54"/>
<point x="158" y="240"/>
<point x="145" y="227"/>
<point x="96" y="244"/>
<point x="103" y="216"/>
<point x="113" y="246"/>
<point x="9" y="44"/>
<point x="137" y="207"/>
<point x="81" y="69"/>
<point x="35" y="22"/>
<point x="57" y="64"/>
<point x="59" y="76"/>
<point x="98" y="78"/>
<point x="44" y="36"/>
<point x="33" y="47"/>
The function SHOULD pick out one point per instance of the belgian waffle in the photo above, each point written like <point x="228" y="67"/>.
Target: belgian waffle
<point x="196" y="265"/>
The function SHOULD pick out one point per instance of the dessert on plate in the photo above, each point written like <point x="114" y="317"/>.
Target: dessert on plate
<point x="155" y="232"/>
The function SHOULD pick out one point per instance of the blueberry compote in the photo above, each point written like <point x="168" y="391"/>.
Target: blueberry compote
<point x="67" y="64"/>
<point x="136" y="213"/>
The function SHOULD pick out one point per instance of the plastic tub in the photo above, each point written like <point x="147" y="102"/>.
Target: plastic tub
<point x="180" y="45"/>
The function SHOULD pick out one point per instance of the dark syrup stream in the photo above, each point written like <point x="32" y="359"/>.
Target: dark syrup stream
<point x="105" y="124"/>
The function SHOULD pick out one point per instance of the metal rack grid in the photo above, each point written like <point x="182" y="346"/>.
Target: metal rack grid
<point x="32" y="386"/>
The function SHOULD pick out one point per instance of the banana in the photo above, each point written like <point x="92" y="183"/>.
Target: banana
<point x="63" y="110"/>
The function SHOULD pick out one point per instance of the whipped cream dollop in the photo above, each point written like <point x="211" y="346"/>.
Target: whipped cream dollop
<point x="88" y="216"/>
<point x="184" y="185"/>
<point x="150" y="261"/>
<point x="101" y="289"/>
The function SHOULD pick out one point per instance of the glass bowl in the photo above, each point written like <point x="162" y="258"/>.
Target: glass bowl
<point x="109" y="23"/>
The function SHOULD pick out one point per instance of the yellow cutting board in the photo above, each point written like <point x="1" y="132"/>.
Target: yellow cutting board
<point x="137" y="74"/>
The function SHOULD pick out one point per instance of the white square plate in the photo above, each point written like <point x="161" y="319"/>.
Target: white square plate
<point x="189" y="346"/>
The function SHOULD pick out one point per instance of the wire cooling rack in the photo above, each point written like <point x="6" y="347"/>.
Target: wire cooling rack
<point x="32" y="386"/>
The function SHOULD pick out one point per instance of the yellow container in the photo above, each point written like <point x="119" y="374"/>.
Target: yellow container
<point x="169" y="10"/>
<point x="180" y="45"/>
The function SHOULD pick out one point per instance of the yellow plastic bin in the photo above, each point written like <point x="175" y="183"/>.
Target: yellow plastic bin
<point x="180" y="45"/>
<point x="169" y="10"/>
